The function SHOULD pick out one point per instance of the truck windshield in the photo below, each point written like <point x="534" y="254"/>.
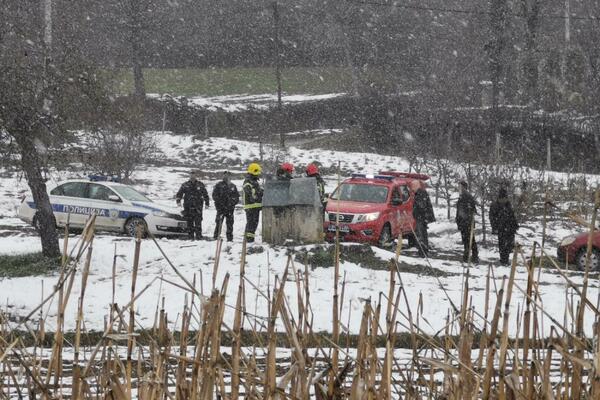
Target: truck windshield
<point x="361" y="192"/>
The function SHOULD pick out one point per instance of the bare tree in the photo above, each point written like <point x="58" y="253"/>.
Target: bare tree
<point x="117" y="153"/>
<point x="37" y="98"/>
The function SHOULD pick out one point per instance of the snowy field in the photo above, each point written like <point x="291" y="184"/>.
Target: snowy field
<point x="196" y="259"/>
<point x="236" y="103"/>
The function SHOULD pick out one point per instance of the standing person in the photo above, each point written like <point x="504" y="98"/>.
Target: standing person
<point x="226" y="196"/>
<point x="504" y="224"/>
<point x="194" y="195"/>
<point x="285" y="171"/>
<point x="466" y="208"/>
<point x="423" y="215"/>
<point x="252" y="195"/>
<point x="312" y="171"/>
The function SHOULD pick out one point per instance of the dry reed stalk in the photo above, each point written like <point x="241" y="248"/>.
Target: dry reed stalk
<point x="335" y="315"/>
<point x="527" y="321"/>
<point x="55" y="364"/>
<point x="595" y="373"/>
<point x="237" y="328"/>
<point x="359" y="383"/>
<point x="579" y="349"/>
<point x="505" y="322"/>
<point x="386" y="378"/>
<point x="217" y="261"/>
<point x="271" y="373"/>
<point x="76" y="394"/>
<point x="466" y="387"/>
<point x="130" y="338"/>
<point x="484" y="334"/>
<point x="491" y="348"/>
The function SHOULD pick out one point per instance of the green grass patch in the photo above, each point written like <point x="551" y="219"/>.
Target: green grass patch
<point x="239" y="80"/>
<point x="13" y="266"/>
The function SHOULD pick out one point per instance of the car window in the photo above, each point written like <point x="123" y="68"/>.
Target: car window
<point x="361" y="193"/>
<point x="404" y="193"/>
<point x="396" y="195"/>
<point x="131" y="194"/>
<point x="71" y="189"/>
<point x="99" y="192"/>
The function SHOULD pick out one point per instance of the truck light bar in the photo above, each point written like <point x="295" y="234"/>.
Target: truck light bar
<point x="367" y="176"/>
<point x="410" y="175"/>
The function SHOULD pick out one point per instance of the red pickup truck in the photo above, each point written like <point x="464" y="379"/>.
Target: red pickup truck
<point x="372" y="208"/>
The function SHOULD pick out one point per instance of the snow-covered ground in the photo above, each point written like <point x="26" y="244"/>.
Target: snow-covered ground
<point x="181" y="153"/>
<point x="236" y="103"/>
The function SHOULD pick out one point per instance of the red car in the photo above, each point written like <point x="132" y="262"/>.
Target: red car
<point x="572" y="249"/>
<point x="372" y="208"/>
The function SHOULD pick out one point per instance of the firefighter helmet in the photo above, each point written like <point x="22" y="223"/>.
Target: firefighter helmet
<point x="312" y="169"/>
<point x="287" y="167"/>
<point x="254" y="169"/>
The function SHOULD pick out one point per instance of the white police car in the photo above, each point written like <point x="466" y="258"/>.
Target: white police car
<point x="117" y="207"/>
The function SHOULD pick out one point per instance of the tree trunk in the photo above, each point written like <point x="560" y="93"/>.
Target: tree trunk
<point x="31" y="164"/>
<point x="136" y="50"/>
<point x="531" y="10"/>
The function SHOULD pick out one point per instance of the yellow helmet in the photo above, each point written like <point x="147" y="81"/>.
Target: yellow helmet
<point x="254" y="169"/>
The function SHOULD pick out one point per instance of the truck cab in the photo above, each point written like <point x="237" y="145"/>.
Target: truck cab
<point x="373" y="209"/>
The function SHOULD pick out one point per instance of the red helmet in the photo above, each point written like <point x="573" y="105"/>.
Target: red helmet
<point x="287" y="167"/>
<point x="312" y="169"/>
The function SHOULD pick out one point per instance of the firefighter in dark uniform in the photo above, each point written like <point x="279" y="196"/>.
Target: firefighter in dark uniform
<point x="466" y="208"/>
<point x="312" y="171"/>
<point x="504" y="224"/>
<point x="194" y="195"/>
<point x="226" y="196"/>
<point x="252" y="198"/>
<point x="423" y="215"/>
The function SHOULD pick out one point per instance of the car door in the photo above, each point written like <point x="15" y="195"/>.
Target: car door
<point x="69" y="203"/>
<point x="107" y="211"/>
<point x="406" y="209"/>
<point x="402" y="212"/>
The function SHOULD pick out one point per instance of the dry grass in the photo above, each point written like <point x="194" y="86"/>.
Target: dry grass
<point x="473" y="357"/>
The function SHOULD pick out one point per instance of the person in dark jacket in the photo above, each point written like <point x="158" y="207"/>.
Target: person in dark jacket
<point x="194" y="195"/>
<point x="423" y="215"/>
<point x="504" y="224"/>
<point x="312" y="171"/>
<point x="226" y="196"/>
<point x="252" y="195"/>
<point x="466" y="208"/>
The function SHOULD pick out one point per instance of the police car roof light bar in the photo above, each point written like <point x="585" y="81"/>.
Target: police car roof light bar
<point x="103" y="178"/>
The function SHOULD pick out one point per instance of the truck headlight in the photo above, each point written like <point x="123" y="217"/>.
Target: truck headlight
<point x="158" y="213"/>
<point x="367" y="217"/>
<point x="567" y="241"/>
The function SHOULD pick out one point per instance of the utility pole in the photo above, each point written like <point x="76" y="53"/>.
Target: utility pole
<point x="567" y="41"/>
<point x="277" y="51"/>
<point x="47" y="11"/>
<point x="278" y="70"/>
<point x="47" y="17"/>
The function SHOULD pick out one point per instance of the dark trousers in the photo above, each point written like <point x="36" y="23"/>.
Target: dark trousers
<point x="465" y="235"/>
<point x="252" y="216"/>
<point x="506" y="242"/>
<point x="194" y="223"/>
<point x="226" y="215"/>
<point x="421" y="237"/>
